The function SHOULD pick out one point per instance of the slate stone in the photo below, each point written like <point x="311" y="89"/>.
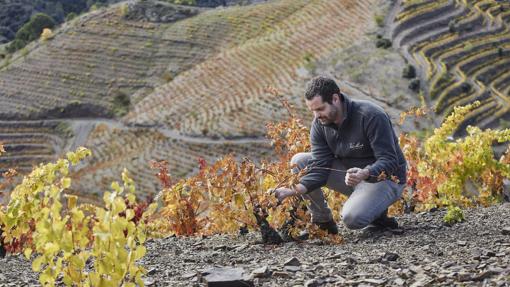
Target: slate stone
<point x="262" y="272"/>
<point x="389" y="256"/>
<point x="225" y="277"/>
<point x="292" y="262"/>
<point x="292" y="268"/>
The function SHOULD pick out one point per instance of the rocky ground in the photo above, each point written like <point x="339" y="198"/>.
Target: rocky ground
<point x="424" y="252"/>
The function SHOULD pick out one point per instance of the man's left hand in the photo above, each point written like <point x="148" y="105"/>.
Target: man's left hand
<point x="356" y="175"/>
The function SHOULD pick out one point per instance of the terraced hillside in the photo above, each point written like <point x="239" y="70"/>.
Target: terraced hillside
<point x="220" y="105"/>
<point x="463" y="50"/>
<point x="116" y="148"/>
<point x="233" y="82"/>
<point x="101" y="56"/>
<point x="28" y="143"/>
<point x="194" y="86"/>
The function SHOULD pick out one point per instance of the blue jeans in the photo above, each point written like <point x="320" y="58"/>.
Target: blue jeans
<point x="366" y="202"/>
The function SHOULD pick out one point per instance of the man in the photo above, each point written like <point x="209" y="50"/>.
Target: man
<point x="354" y="147"/>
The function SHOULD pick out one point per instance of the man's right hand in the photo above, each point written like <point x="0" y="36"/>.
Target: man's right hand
<point x="283" y="192"/>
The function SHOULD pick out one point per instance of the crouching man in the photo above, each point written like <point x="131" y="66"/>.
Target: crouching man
<point x="353" y="143"/>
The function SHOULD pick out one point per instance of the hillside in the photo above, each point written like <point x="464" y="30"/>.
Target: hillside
<point x="461" y="49"/>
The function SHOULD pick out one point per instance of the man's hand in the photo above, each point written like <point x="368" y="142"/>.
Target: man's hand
<point x="284" y="192"/>
<point x="356" y="175"/>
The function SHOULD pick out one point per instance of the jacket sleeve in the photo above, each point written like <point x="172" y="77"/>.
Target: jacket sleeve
<point x="322" y="157"/>
<point x="380" y="134"/>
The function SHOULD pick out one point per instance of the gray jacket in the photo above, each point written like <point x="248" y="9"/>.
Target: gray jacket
<point x="365" y="138"/>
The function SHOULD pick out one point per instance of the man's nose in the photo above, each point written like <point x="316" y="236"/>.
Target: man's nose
<point x="316" y="114"/>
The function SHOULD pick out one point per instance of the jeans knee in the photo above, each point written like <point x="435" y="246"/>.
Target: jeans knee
<point x="300" y="160"/>
<point x="353" y="220"/>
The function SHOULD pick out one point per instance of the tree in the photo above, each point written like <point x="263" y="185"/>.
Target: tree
<point x="31" y="31"/>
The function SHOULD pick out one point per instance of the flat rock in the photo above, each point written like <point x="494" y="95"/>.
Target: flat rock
<point x="225" y="277"/>
<point x="389" y="256"/>
<point x="292" y="268"/>
<point x="292" y="262"/>
<point x="262" y="272"/>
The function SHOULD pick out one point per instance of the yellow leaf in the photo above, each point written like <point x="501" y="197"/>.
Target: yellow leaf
<point x="131" y="198"/>
<point x="107" y="197"/>
<point x="27" y="253"/>
<point x="118" y="205"/>
<point x="66" y="182"/>
<point x="36" y="264"/>
<point x="67" y="280"/>
<point x="151" y="209"/>
<point x="116" y="187"/>
<point x="51" y="248"/>
<point x="239" y="199"/>
<point x="139" y="280"/>
<point x="130" y="214"/>
<point x="71" y="199"/>
<point x="140" y="252"/>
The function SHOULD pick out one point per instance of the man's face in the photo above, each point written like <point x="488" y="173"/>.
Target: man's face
<point x="326" y="113"/>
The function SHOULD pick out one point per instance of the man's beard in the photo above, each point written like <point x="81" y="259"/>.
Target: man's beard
<point x="331" y="117"/>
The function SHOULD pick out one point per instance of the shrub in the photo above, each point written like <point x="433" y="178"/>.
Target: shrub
<point x="31" y="31"/>
<point x="64" y="239"/>
<point x="47" y="34"/>
<point x="414" y="85"/>
<point x="409" y="72"/>
<point x="71" y="16"/>
<point x="379" y="20"/>
<point x="121" y="104"/>
<point x="465" y="87"/>
<point x="383" y="43"/>
<point x="440" y="168"/>
<point x="452" y="26"/>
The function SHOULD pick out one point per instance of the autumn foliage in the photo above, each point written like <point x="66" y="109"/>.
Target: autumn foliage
<point x="455" y="173"/>
<point x="230" y="194"/>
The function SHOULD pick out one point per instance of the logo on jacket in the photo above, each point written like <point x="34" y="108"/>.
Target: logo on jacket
<point x="356" y="146"/>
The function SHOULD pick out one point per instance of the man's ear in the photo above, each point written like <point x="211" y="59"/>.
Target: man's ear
<point x="336" y="98"/>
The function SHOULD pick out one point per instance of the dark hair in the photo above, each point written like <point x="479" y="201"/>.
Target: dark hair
<point x="323" y="86"/>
